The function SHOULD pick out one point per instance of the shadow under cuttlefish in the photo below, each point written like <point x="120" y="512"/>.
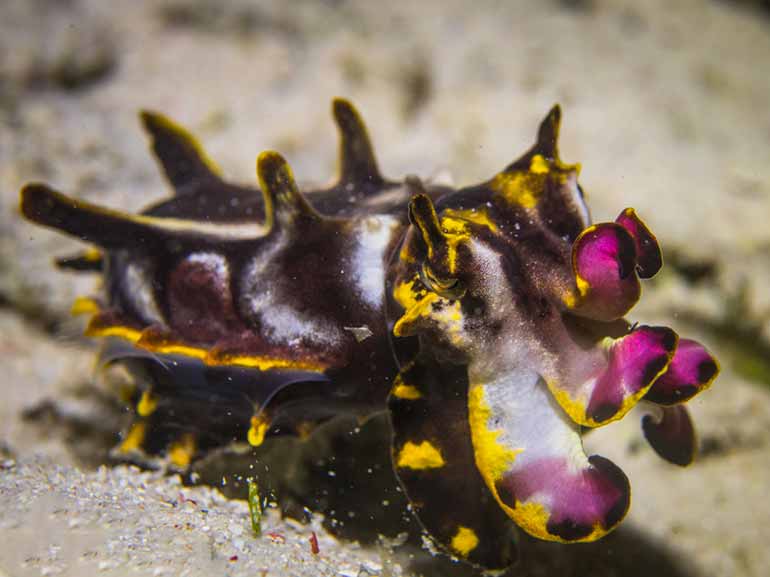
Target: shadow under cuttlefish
<point x="343" y="472"/>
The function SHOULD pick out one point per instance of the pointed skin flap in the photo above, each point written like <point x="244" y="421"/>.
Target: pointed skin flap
<point x="548" y="134"/>
<point x="89" y="222"/>
<point x="181" y="156"/>
<point x="358" y="164"/>
<point x="284" y="203"/>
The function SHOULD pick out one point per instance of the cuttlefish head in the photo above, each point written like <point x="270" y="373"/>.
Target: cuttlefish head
<point x="511" y="281"/>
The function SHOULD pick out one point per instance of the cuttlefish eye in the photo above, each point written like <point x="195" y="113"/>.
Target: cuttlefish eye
<point x="449" y="288"/>
<point x="438" y="270"/>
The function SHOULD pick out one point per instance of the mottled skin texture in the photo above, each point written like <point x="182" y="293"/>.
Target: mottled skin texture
<point x="247" y="312"/>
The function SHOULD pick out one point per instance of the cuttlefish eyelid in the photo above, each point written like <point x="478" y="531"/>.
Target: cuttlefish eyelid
<point x="182" y="158"/>
<point x="451" y="288"/>
<point x="284" y="203"/>
<point x="422" y="214"/>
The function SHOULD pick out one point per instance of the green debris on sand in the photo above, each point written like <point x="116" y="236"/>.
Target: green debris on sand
<point x="255" y="508"/>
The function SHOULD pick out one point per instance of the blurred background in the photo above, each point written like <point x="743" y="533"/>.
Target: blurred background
<point x="665" y="105"/>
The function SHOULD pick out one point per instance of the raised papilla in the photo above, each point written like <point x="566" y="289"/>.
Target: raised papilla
<point x="487" y="319"/>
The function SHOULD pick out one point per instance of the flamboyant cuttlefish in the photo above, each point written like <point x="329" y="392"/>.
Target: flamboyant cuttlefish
<point x="487" y="319"/>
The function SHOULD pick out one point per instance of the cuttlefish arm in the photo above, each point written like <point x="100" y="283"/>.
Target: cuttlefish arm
<point x="531" y="456"/>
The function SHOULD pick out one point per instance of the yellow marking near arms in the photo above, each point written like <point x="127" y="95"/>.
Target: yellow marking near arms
<point x="464" y="541"/>
<point x="415" y="305"/>
<point x="420" y="310"/>
<point x="422" y="456"/>
<point x="257" y="431"/>
<point x="493" y="458"/>
<point x="575" y="408"/>
<point x="574" y="298"/>
<point x="570" y="300"/>
<point x="583" y="285"/>
<point x="404" y="293"/>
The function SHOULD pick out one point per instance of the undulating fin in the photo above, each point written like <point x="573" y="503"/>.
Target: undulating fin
<point x="285" y="206"/>
<point x="358" y="164"/>
<point x="692" y="370"/>
<point x="531" y="456"/>
<point x="434" y="461"/>
<point x="86" y="261"/>
<point x="423" y="215"/>
<point x="670" y="432"/>
<point x="171" y="388"/>
<point x="182" y="158"/>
